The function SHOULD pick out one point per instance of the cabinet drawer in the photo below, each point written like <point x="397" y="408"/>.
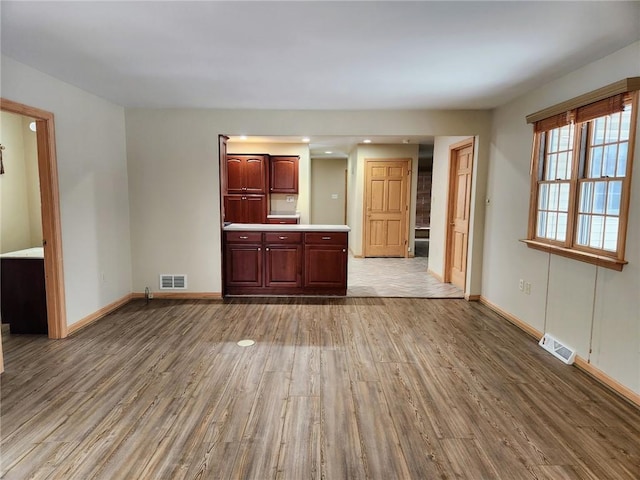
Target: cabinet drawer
<point x="283" y="237"/>
<point x="244" y="237"/>
<point x="326" y="238"/>
<point x="282" y="221"/>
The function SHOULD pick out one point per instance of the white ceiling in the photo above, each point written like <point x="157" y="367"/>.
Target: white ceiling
<point x="313" y="55"/>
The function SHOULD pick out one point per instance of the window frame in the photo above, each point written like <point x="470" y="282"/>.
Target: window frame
<point x="556" y="117"/>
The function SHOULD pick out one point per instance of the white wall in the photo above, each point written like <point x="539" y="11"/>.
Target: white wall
<point x="327" y="180"/>
<point x="278" y="201"/>
<point x="33" y="182"/>
<point x="15" y="188"/>
<point x="594" y="310"/>
<point x="173" y="174"/>
<point x="94" y="198"/>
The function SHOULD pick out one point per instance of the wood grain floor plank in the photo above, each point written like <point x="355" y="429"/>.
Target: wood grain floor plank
<point x="340" y="440"/>
<point x="300" y="454"/>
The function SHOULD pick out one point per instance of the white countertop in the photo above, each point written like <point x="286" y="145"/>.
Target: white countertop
<point x="265" y="227"/>
<point x="283" y="215"/>
<point x="35" y="252"/>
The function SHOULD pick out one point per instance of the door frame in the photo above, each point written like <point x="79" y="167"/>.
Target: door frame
<point x="469" y="142"/>
<point x="407" y="217"/>
<point x="50" y="207"/>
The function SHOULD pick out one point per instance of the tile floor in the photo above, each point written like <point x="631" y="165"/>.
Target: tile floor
<point x="395" y="277"/>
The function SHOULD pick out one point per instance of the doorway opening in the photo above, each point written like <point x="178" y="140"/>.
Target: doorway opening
<point x="51" y="240"/>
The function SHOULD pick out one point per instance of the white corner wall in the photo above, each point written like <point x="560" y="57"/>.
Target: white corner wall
<point x="594" y="310"/>
<point x="94" y="197"/>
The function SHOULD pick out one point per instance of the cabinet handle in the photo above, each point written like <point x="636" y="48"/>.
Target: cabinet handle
<point x="283" y="238"/>
<point x="243" y="238"/>
<point x="267" y="249"/>
<point x="326" y="238"/>
<point x="258" y="248"/>
<point x="344" y="250"/>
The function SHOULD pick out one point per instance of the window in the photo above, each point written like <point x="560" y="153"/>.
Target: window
<point x="581" y="170"/>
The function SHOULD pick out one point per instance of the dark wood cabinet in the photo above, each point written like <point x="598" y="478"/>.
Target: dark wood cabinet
<point x="325" y="261"/>
<point x="283" y="174"/>
<point x="246" y="174"/>
<point x="23" y="302"/>
<point x="243" y="260"/>
<point x="245" y="188"/>
<point x="245" y="208"/>
<point x="285" y="263"/>
<point x="283" y="259"/>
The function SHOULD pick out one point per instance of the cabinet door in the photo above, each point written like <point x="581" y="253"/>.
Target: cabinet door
<point x="243" y="265"/>
<point x="235" y="174"/>
<point x="255" y="175"/>
<point x="283" y="175"/>
<point x="245" y="208"/>
<point x="283" y="265"/>
<point x="233" y="209"/>
<point x="325" y="266"/>
<point x="255" y="208"/>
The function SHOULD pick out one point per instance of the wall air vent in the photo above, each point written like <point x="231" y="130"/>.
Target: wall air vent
<point x="557" y="349"/>
<point x="173" y="282"/>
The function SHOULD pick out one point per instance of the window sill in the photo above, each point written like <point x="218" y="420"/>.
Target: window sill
<point x="599" y="260"/>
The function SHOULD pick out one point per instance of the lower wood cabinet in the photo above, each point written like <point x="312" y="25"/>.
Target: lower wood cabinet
<point x="285" y="263"/>
<point x="325" y="261"/>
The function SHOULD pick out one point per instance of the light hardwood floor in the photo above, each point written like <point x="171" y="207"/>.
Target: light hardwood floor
<point x="333" y="388"/>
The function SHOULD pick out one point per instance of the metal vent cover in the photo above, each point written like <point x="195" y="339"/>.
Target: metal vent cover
<point x="173" y="281"/>
<point x="557" y="349"/>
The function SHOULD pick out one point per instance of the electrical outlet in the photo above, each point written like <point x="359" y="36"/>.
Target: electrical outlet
<point x="527" y="288"/>
<point x="150" y="295"/>
<point x="521" y="285"/>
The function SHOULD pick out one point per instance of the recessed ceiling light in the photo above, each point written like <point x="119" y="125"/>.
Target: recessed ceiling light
<point x="306" y="139"/>
<point x="366" y="140"/>
<point x="243" y="137"/>
<point x="328" y="152"/>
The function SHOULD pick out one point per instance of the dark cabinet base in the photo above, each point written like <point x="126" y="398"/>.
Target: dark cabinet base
<point x="285" y="263"/>
<point x="23" y="295"/>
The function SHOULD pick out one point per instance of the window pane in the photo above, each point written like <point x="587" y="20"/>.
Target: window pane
<point x="610" y="156"/>
<point x="542" y="223"/>
<point x="553" y="196"/>
<point x="566" y="138"/>
<point x="599" y="196"/>
<point x="563" y="166"/>
<point x="597" y="231"/>
<point x="584" y="222"/>
<point x="611" y="234"/>
<point x="552" y="146"/>
<point x="613" y="129"/>
<point x="561" y="234"/>
<point x="613" y="198"/>
<point x="622" y="160"/>
<point x="563" y="201"/>
<point x="543" y="197"/>
<point x="551" y="224"/>
<point x="586" y="197"/>
<point x="598" y="131"/>
<point x="595" y="165"/>
<point x="551" y="170"/>
<point x="625" y="123"/>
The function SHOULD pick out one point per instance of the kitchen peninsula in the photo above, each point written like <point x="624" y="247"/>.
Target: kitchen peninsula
<point x="280" y="259"/>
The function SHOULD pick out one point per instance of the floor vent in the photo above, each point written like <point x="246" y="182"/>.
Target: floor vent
<point x="557" y="349"/>
<point x="173" y="282"/>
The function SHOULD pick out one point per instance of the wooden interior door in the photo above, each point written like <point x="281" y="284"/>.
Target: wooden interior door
<point x="386" y="208"/>
<point x="461" y="155"/>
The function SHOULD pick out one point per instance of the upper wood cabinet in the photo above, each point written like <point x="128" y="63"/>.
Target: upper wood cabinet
<point x="284" y="174"/>
<point x="246" y="174"/>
